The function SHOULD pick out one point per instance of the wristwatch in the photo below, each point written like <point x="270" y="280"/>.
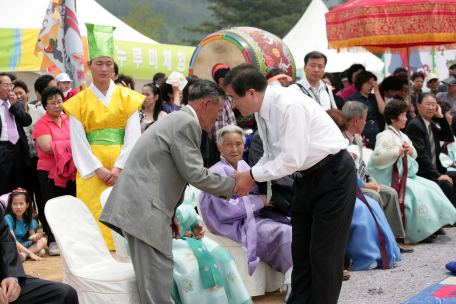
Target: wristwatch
<point x="251" y="175"/>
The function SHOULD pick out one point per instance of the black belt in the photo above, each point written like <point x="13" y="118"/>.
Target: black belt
<point x="318" y="165"/>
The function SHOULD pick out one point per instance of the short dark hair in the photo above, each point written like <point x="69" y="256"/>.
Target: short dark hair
<point x="191" y="80"/>
<point x="21" y="84"/>
<point x="48" y="93"/>
<point x="353" y="69"/>
<point x="399" y="70"/>
<point x="417" y="75"/>
<point x="42" y="83"/>
<point x="127" y="79"/>
<point x="343" y="75"/>
<point x="116" y="68"/>
<point x="445" y="106"/>
<point x="244" y="77"/>
<point x="12" y="76"/>
<point x="158" y="77"/>
<point x="165" y="89"/>
<point x="423" y="96"/>
<point x="452" y="67"/>
<point x="275" y="72"/>
<point x="339" y="118"/>
<point x="391" y="83"/>
<point x="331" y="78"/>
<point x="207" y="89"/>
<point x="362" y="78"/>
<point x="393" y="109"/>
<point x="159" y="103"/>
<point x="315" y="55"/>
<point x="4" y="74"/>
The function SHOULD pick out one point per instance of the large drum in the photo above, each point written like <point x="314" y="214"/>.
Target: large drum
<point x="237" y="45"/>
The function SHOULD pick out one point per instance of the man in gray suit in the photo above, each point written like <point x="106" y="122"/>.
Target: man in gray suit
<point x="356" y="113"/>
<point x="144" y="199"/>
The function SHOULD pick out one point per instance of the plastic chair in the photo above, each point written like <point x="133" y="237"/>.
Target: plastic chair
<point x="121" y="251"/>
<point x="264" y="278"/>
<point x="87" y="263"/>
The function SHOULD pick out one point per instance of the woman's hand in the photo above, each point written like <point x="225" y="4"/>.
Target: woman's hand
<point x="35" y="257"/>
<point x="176" y="228"/>
<point x="266" y="204"/>
<point x="37" y="237"/>
<point x="199" y="231"/>
<point x="188" y="234"/>
<point x="176" y="87"/>
<point x="103" y="174"/>
<point x="375" y="85"/>
<point x="409" y="149"/>
<point x="401" y="151"/>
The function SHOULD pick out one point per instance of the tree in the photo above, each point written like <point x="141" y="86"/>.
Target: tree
<point x="275" y="16"/>
<point x="142" y="18"/>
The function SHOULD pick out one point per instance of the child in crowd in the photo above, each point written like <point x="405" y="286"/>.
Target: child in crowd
<point x="64" y="83"/>
<point x="19" y="219"/>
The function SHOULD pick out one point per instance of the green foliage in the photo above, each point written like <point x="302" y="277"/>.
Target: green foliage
<point x="176" y="14"/>
<point x="275" y="16"/>
<point x="142" y="18"/>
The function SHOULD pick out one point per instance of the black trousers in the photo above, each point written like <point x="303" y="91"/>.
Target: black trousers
<point x="34" y="186"/>
<point x="214" y="153"/>
<point x="448" y="188"/>
<point x="37" y="291"/>
<point x="49" y="191"/>
<point x="321" y="216"/>
<point x="13" y="169"/>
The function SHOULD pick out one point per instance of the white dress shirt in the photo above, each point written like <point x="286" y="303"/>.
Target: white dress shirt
<point x="193" y="110"/>
<point x="300" y="134"/>
<point x="325" y="100"/>
<point x="3" y="108"/>
<point x="85" y="161"/>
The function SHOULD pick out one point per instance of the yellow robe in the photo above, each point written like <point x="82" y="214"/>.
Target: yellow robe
<point x="95" y="116"/>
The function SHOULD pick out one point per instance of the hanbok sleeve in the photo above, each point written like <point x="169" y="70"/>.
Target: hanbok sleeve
<point x="235" y="209"/>
<point x="386" y="152"/>
<point x="407" y="140"/>
<point x="84" y="160"/>
<point x="132" y="133"/>
<point x="187" y="218"/>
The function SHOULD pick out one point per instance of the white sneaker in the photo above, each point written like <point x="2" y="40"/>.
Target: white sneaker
<point x="41" y="253"/>
<point x="54" y="249"/>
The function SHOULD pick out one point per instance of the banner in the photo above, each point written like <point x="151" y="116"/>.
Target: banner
<point x="138" y="60"/>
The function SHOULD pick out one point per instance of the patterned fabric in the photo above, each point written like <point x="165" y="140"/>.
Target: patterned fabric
<point x="432" y="142"/>
<point x="444" y="96"/>
<point x="266" y="150"/>
<point x="226" y="117"/>
<point x="361" y="170"/>
<point x="101" y="40"/>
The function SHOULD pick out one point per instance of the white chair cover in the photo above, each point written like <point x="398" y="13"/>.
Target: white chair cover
<point x="264" y="278"/>
<point x="87" y="263"/>
<point x="121" y="253"/>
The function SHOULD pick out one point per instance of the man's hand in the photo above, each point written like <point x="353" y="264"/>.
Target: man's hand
<point x="12" y="98"/>
<point x="3" y="297"/>
<point x="438" y="113"/>
<point x="112" y="179"/>
<point x="103" y="174"/>
<point x="244" y="183"/>
<point x="199" y="231"/>
<point x="373" y="186"/>
<point x="445" y="178"/>
<point x="12" y="289"/>
<point x="176" y="230"/>
<point x="401" y="151"/>
<point x="264" y="197"/>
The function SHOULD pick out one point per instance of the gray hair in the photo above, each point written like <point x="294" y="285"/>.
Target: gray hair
<point x="229" y="129"/>
<point x="207" y="89"/>
<point x="354" y="109"/>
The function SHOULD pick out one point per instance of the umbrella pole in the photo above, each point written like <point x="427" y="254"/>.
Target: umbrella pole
<point x="408" y="74"/>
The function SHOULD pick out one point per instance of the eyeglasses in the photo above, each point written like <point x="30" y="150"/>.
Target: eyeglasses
<point x="8" y="85"/>
<point x="234" y="100"/>
<point x="430" y="105"/>
<point x="55" y="104"/>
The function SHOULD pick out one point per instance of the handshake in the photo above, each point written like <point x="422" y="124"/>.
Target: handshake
<point x="244" y="183"/>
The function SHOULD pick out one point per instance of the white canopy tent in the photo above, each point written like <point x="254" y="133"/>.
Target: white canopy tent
<point x="29" y="14"/>
<point x="309" y="34"/>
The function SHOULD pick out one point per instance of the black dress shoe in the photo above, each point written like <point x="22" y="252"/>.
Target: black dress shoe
<point x="346" y="276"/>
<point x="428" y="241"/>
<point x="440" y="232"/>
<point x="405" y="249"/>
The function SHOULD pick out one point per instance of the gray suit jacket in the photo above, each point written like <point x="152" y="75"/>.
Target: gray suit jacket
<point x="359" y="143"/>
<point x="152" y="184"/>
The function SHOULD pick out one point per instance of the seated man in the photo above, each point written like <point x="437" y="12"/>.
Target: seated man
<point x="426" y="137"/>
<point x="264" y="233"/>
<point x="20" y="288"/>
<point x="356" y="113"/>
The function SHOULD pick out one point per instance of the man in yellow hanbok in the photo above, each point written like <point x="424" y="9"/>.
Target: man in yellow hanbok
<point x="104" y="125"/>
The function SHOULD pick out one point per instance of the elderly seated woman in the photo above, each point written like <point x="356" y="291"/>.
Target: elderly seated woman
<point x="264" y="233"/>
<point x="424" y="205"/>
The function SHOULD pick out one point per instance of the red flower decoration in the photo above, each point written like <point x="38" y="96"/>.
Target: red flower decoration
<point x="269" y="61"/>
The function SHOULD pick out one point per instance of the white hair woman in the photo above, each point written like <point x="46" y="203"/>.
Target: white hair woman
<point x="264" y="233"/>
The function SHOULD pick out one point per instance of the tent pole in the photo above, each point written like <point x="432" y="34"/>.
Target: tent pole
<point x="75" y="8"/>
<point x="408" y="74"/>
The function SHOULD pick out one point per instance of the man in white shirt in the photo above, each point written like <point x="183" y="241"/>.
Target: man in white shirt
<point x="312" y="85"/>
<point x="298" y="136"/>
